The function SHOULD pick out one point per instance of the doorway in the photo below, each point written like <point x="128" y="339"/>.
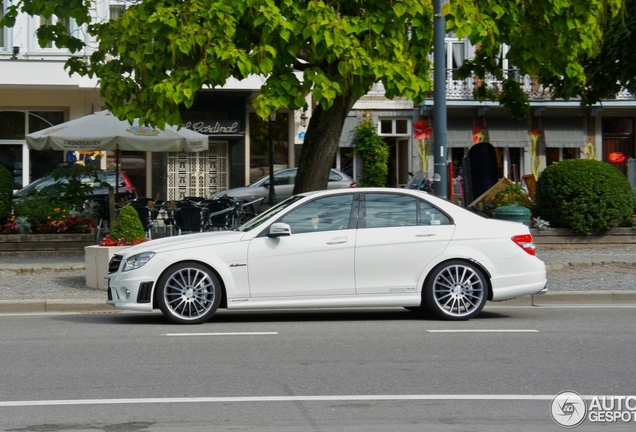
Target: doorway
<point x="618" y="139"/>
<point x="398" y="161"/>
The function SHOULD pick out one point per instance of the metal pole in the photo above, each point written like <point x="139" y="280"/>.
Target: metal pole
<point x="440" y="183"/>
<point x="272" y="193"/>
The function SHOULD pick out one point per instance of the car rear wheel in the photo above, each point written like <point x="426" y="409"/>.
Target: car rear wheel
<point x="456" y="290"/>
<point x="188" y="293"/>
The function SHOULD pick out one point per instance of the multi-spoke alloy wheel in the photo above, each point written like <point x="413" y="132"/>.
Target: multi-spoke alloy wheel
<point x="188" y="293"/>
<point x="456" y="290"/>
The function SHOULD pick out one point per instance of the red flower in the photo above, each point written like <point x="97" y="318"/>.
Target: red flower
<point x="478" y="134"/>
<point x="422" y="130"/>
<point x="617" y="157"/>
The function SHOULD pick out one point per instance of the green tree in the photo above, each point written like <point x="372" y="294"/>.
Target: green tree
<point x="155" y="57"/>
<point x="374" y="153"/>
<point x="614" y="67"/>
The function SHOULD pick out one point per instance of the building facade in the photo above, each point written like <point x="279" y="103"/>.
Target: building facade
<point x="36" y="92"/>
<point x="556" y="130"/>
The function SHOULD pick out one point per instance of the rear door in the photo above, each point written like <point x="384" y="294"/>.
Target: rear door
<point x="398" y="236"/>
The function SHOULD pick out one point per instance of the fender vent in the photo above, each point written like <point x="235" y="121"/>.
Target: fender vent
<point x="145" y="292"/>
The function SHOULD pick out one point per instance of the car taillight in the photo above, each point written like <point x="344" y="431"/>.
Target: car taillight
<point x="525" y="242"/>
<point x="353" y="185"/>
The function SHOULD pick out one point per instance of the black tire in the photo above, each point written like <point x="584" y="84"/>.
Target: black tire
<point x="456" y="290"/>
<point x="188" y="293"/>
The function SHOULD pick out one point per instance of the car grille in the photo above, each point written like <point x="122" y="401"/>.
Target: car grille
<point x="114" y="263"/>
<point x="145" y="290"/>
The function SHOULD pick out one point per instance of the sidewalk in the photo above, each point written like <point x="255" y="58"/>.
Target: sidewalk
<point x="561" y="259"/>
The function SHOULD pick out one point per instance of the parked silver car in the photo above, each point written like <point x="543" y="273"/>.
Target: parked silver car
<point x="284" y="181"/>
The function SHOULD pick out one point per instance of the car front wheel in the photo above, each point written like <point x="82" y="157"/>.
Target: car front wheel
<point x="456" y="290"/>
<point x="188" y="293"/>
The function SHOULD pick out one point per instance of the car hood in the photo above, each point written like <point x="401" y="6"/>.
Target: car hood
<point x="187" y="241"/>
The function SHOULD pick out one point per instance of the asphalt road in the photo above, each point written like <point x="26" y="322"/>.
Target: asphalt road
<point x="344" y="370"/>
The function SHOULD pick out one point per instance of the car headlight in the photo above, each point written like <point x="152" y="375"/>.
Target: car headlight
<point x="137" y="261"/>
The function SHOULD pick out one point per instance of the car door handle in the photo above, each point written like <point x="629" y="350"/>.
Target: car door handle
<point x="425" y="235"/>
<point x="338" y="240"/>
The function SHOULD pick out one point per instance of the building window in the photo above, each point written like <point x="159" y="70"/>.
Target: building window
<point x="115" y="10"/>
<point x="259" y="145"/>
<point x="555" y="154"/>
<point x="14" y="155"/>
<point x="394" y="127"/>
<point x="50" y="47"/>
<point x="52" y="21"/>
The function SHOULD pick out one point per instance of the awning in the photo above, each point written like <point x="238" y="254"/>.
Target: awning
<point x="564" y="132"/>
<point x="507" y="132"/>
<point x="460" y="132"/>
<point x="349" y="131"/>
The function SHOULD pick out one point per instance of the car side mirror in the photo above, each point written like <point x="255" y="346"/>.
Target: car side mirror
<point x="266" y="184"/>
<point x="279" y="229"/>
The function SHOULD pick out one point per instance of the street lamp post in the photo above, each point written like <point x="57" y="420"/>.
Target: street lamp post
<point x="270" y="133"/>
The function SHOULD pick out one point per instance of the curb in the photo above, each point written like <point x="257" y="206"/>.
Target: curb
<point x="572" y="298"/>
<point x="561" y="265"/>
<point x="62" y="306"/>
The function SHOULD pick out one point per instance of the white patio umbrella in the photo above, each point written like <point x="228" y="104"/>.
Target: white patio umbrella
<point x="102" y="131"/>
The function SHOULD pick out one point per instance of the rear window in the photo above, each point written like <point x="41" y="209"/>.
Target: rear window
<point x="334" y="176"/>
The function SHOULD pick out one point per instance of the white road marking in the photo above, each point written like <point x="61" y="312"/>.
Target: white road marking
<point x="223" y="334"/>
<point x="483" y="331"/>
<point x="440" y="397"/>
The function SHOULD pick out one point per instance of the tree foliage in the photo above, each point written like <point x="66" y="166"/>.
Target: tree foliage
<point x="547" y="39"/>
<point x="614" y="67"/>
<point x="374" y="153"/>
<point x="153" y="59"/>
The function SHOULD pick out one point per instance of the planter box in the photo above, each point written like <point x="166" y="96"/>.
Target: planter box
<point x="561" y="236"/>
<point x="96" y="259"/>
<point x="44" y="242"/>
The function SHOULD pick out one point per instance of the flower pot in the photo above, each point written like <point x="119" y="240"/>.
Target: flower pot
<point x="96" y="259"/>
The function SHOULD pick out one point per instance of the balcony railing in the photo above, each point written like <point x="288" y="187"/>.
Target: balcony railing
<point x="463" y="88"/>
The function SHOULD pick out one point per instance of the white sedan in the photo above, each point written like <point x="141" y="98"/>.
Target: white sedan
<point x="366" y="247"/>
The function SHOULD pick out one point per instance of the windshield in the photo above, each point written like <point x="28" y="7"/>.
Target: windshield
<point x="268" y="214"/>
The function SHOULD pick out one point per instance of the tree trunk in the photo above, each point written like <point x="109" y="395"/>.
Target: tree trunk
<point x="321" y="145"/>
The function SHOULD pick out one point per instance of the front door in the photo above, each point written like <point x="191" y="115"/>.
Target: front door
<point x="316" y="260"/>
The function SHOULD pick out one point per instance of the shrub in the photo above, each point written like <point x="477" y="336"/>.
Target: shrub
<point x="6" y="193"/>
<point x="38" y="210"/>
<point x="374" y="153"/>
<point x="585" y="195"/>
<point x="127" y="228"/>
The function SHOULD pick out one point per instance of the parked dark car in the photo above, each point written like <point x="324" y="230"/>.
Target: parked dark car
<point x="100" y="189"/>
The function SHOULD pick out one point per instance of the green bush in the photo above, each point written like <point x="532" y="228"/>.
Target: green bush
<point x="374" y="153"/>
<point x="585" y="195"/>
<point x="38" y="209"/>
<point x="127" y="226"/>
<point x="6" y="193"/>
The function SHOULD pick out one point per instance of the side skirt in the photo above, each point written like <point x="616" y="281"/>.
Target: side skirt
<point x="401" y="300"/>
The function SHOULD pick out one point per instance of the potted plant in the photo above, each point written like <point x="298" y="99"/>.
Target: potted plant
<point x="127" y="230"/>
